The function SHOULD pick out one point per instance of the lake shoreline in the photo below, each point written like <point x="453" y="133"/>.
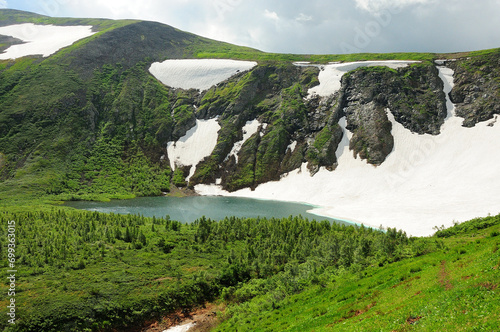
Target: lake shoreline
<point x="187" y="209"/>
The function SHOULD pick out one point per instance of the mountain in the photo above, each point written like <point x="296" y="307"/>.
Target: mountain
<point x="95" y="120"/>
<point x="94" y="109"/>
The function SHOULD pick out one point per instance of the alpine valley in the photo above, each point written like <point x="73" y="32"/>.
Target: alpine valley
<point x="94" y="109"/>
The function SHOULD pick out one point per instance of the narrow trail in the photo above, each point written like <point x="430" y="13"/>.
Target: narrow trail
<point x="444" y="277"/>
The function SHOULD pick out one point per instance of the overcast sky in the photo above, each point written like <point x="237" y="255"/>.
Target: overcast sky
<point x="313" y="26"/>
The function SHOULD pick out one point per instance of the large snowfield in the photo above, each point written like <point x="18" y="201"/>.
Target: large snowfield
<point x="426" y="181"/>
<point x="198" y="74"/>
<point x="41" y="39"/>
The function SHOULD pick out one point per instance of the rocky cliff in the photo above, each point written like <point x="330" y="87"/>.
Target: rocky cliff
<point x="477" y="88"/>
<point x="277" y="96"/>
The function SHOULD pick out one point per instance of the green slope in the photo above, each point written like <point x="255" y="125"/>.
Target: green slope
<point x="59" y="114"/>
<point x="455" y="288"/>
<point x="86" y="271"/>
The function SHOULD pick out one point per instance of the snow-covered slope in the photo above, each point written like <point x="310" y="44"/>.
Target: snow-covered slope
<point x="197" y="74"/>
<point x="198" y="143"/>
<point x="41" y="39"/>
<point x="426" y="181"/>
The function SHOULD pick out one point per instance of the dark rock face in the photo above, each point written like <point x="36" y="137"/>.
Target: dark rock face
<point x="366" y="116"/>
<point x="414" y="95"/>
<point x="273" y="94"/>
<point x="327" y="134"/>
<point x="8" y="41"/>
<point x="416" y="98"/>
<point x="371" y="128"/>
<point x="183" y="111"/>
<point x="476" y="92"/>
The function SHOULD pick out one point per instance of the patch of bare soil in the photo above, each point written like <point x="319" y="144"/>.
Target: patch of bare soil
<point x="444" y="278"/>
<point x="413" y="319"/>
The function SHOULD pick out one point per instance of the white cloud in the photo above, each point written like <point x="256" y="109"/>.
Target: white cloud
<point x="3" y="3"/>
<point x="303" y="18"/>
<point x="271" y="15"/>
<point x="375" y="6"/>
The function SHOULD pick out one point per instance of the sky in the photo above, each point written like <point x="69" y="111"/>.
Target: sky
<point x="307" y="27"/>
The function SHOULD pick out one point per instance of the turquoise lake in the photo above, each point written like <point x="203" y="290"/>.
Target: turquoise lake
<point x="187" y="209"/>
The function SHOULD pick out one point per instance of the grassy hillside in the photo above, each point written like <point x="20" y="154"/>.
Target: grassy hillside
<point x="452" y="288"/>
<point x="86" y="271"/>
<point x="83" y="121"/>
<point x="12" y="16"/>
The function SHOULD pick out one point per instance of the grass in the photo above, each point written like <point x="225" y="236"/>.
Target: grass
<point x="452" y="289"/>
<point x="255" y="55"/>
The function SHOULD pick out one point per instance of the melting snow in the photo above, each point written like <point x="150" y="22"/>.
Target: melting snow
<point x="197" y="74"/>
<point x="250" y="128"/>
<point x="426" y="181"/>
<point x="41" y="39"/>
<point x="198" y="143"/>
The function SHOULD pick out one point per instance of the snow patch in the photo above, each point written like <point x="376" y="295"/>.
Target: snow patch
<point x="425" y="181"/>
<point x="330" y="75"/>
<point x="180" y="328"/>
<point x="292" y="146"/>
<point x="199" y="74"/>
<point x="198" y="143"/>
<point x="346" y="137"/>
<point x="446" y="75"/>
<point x="250" y="128"/>
<point x="41" y="39"/>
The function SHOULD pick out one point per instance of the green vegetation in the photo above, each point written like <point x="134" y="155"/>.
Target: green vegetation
<point x="90" y="123"/>
<point x="10" y="17"/>
<point x="251" y="54"/>
<point x="433" y="285"/>
<point x="322" y="138"/>
<point x="87" y="271"/>
<point x="82" y="271"/>
<point x="178" y="178"/>
<point x="66" y="145"/>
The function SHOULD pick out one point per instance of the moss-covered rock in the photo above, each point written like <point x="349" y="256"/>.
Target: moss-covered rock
<point x="414" y="95"/>
<point x="416" y="99"/>
<point x="270" y="153"/>
<point x="476" y="92"/>
<point x="242" y="174"/>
